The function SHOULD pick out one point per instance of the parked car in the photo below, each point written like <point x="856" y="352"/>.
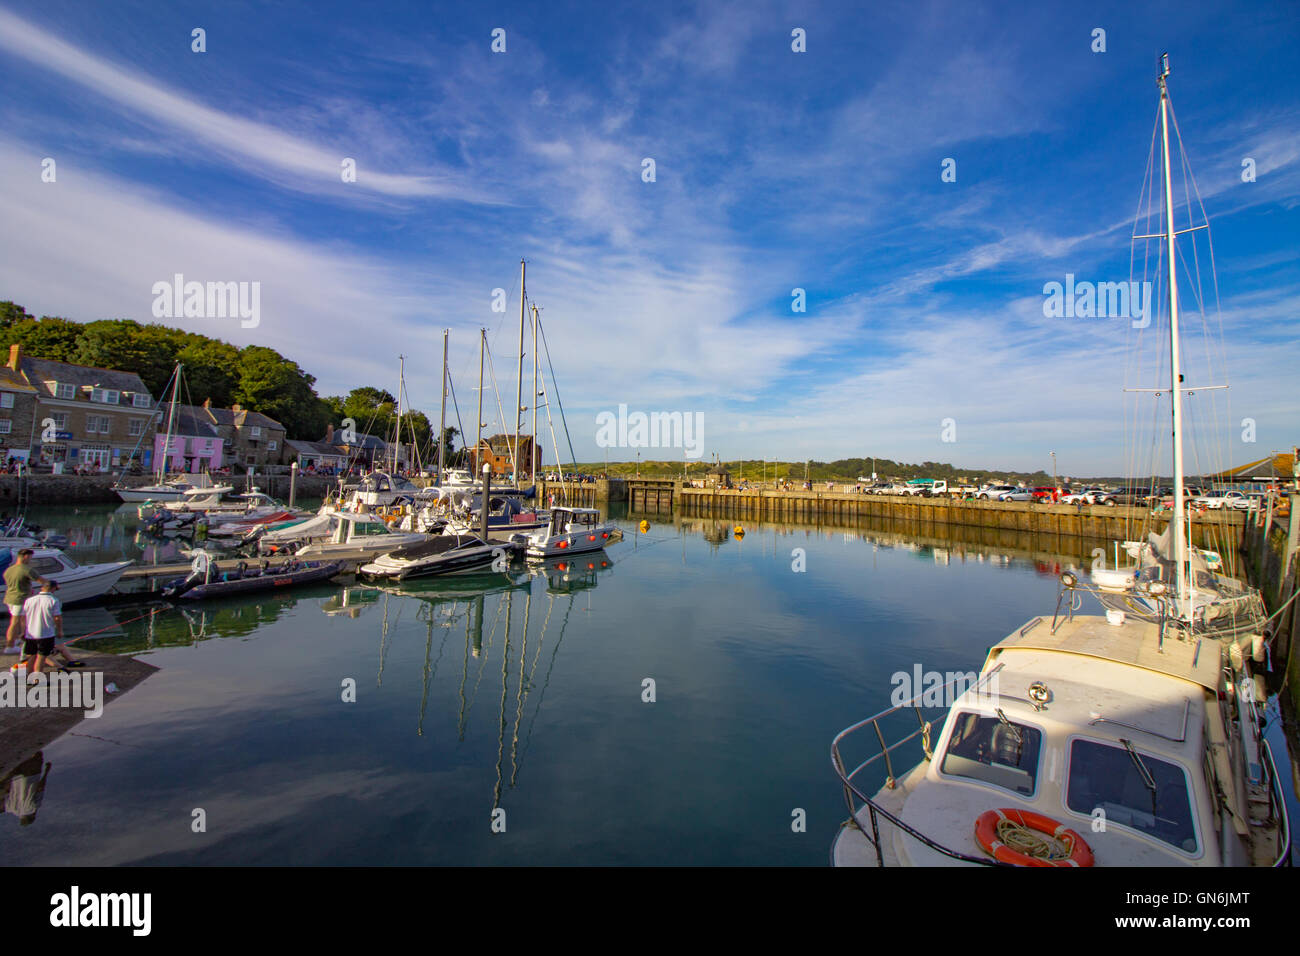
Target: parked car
<point x="994" y="492"/>
<point x="1139" y="494"/>
<point x="1017" y="494"/>
<point x="1084" y="496"/>
<point x="1045" y="493"/>
<point x="1229" y="499"/>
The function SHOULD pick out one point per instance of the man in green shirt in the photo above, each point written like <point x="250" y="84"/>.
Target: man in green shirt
<point x="18" y="588"/>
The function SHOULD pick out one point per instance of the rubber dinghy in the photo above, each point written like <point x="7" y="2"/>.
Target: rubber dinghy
<point x="205" y="581"/>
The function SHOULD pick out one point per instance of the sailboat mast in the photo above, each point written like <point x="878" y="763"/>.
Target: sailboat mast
<point x="401" y="380"/>
<point x="1175" y="359"/>
<point x="442" y="416"/>
<point x="519" y="391"/>
<point x="478" y="427"/>
<point x="171" y="420"/>
<point x="532" y="451"/>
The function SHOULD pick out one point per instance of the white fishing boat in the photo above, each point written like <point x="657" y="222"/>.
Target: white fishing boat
<point x="365" y="533"/>
<point x="77" y="582"/>
<point x="1132" y="739"/>
<point x="569" y="531"/>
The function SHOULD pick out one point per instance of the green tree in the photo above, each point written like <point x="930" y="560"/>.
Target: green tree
<point x="271" y="384"/>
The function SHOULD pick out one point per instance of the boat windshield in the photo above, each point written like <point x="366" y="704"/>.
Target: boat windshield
<point x="993" y="750"/>
<point x="1132" y="789"/>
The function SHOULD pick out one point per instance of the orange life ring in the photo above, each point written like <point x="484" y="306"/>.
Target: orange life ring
<point x="986" y="835"/>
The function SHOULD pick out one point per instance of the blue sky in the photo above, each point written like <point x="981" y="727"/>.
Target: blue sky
<point x="775" y="170"/>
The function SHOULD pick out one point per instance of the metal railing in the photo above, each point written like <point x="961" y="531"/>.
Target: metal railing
<point x="1277" y="807"/>
<point x="857" y="800"/>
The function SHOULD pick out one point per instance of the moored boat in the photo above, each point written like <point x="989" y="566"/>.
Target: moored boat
<point x="569" y="531"/>
<point x="205" y="581"/>
<point x="440" y="555"/>
<point x="77" y="582"/>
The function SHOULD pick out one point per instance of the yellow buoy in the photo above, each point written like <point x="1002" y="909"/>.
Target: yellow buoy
<point x="739" y="532"/>
<point x="644" y="526"/>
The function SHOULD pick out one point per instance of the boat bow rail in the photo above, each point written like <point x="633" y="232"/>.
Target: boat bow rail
<point x="871" y="729"/>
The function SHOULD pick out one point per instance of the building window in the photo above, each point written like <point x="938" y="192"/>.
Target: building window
<point x="65" y="390"/>
<point x="141" y="400"/>
<point x="255" y="432"/>
<point x="60" y="421"/>
<point x="136" y="428"/>
<point x="104" y="396"/>
<point x="5" y="426"/>
<point x="98" y="423"/>
<point x="270" y="446"/>
<point x="6" y="399"/>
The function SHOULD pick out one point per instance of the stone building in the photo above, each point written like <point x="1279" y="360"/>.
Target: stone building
<point x="248" y="439"/>
<point x="17" y="414"/>
<point x="498" y="451"/>
<point x="97" y="418"/>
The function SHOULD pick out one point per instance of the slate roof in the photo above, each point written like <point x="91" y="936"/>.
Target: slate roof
<point x="189" y="424"/>
<point x="229" y="418"/>
<point x="315" y="448"/>
<point x="39" y="371"/>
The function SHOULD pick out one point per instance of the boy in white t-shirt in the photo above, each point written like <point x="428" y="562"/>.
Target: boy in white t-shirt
<point x="43" y="614"/>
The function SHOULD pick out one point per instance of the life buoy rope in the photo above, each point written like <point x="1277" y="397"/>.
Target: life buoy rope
<point x="1025" y="838"/>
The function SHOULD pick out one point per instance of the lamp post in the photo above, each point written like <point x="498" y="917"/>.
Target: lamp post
<point x="1056" y="483"/>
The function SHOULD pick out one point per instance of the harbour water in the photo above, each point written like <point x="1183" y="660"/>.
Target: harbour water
<point x="528" y="696"/>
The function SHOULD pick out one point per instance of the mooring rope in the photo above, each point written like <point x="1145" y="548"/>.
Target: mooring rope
<point x="1022" y="839"/>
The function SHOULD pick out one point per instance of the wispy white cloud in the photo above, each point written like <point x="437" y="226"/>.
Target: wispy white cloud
<point x="257" y="146"/>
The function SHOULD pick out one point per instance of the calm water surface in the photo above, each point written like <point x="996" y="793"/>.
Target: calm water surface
<point x="524" y="695"/>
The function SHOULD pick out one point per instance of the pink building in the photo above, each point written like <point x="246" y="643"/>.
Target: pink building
<point x="196" y="445"/>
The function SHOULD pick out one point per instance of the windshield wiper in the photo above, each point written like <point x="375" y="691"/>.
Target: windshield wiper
<point x="1148" y="781"/>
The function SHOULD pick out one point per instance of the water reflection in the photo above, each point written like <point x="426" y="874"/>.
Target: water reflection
<point x="503" y="612"/>
<point x="23" y="788"/>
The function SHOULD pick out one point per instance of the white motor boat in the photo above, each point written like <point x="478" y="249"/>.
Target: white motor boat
<point x="171" y="491"/>
<point x="1134" y="739"/>
<point x="569" y="531"/>
<point x="365" y="533"/>
<point x="380" y="489"/>
<point x="1086" y="741"/>
<point x="440" y="555"/>
<point x="77" y="582"/>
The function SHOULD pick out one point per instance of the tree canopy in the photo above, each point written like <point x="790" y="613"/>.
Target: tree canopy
<point x="256" y="377"/>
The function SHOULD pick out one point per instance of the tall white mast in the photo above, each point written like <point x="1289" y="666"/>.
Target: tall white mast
<point x="1175" y="367"/>
<point x="519" y="391"/>
<point x="401" y="380"/>
<point x="478" y="430"/>
<point x="171" y="419"/>
<point x="532" y="451"/>
<point x="442" y="417"/>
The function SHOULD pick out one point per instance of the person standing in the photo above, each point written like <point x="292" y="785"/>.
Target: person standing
<point x="44" y="618"/>
<point x="18" y="587"/>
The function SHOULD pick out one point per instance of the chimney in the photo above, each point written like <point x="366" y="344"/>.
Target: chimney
<point x="236" y="408"/>
<point x="15" y="355"/>
<point x="207" y="403"/>
<point x="329" y="434"/>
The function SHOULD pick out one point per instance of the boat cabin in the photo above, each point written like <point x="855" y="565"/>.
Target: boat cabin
<point x="1101" y="727"/>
